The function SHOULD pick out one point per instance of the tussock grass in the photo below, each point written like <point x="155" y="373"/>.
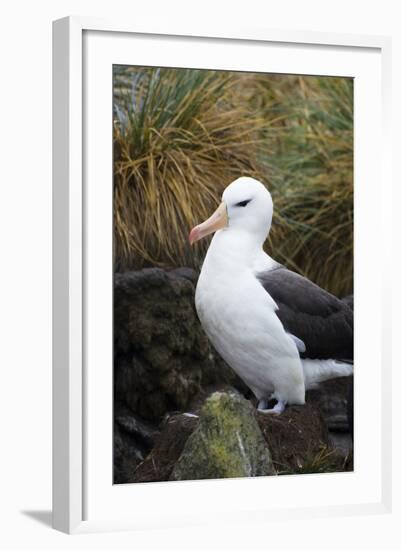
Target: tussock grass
<point x="181" y="136"/>
<point x="309" y="162"/>
<point x="327" y="460"/>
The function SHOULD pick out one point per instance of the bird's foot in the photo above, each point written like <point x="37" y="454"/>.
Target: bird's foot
<point x="263" y="404"/>
<point x="278" y="408"/>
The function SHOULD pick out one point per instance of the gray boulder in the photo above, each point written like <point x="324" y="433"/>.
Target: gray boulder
<point x="227" y="443"/>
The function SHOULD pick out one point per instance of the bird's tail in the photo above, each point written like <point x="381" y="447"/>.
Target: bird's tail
<point x="319" y="370"/>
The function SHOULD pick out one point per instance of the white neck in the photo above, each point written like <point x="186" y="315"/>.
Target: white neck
<point x="233" y="250"/>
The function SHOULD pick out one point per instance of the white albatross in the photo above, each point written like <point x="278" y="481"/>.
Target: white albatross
<point x="280" y="333"/>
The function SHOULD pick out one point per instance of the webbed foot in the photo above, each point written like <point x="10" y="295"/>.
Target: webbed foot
<point x="278" y="408"/>
<point x="262" y="404"/>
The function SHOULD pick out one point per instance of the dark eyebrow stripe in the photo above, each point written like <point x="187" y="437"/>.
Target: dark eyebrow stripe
<point x="243" y="203"/>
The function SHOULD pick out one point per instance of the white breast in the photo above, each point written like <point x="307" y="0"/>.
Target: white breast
<point x="239" y="318"/>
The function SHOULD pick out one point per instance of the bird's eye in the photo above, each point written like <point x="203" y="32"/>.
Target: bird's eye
<point x="243" y="203"/>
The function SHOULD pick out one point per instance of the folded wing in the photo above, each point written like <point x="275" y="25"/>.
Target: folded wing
<point x="310" y="314"/>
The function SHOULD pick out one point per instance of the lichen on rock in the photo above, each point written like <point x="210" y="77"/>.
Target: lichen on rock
<point x="227" y="442"/>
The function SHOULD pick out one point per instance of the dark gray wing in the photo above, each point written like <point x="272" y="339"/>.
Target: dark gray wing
<point x="323" y="322"/>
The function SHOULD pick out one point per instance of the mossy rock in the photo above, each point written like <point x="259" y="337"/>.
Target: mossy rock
<point x="227" y="442"/>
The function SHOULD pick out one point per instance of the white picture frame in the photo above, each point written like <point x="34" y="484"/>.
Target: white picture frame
<point x="72" y="424"/>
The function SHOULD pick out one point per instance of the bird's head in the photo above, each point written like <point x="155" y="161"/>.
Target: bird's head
<point x="246" y="206"/>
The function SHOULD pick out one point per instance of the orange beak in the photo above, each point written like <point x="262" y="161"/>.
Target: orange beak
<point x="218" y="220"/>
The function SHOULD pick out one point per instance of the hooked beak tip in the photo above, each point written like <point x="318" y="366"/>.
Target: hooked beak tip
<point x="194" y="235"/>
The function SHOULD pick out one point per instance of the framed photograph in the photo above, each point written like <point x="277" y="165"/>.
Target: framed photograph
<point x="217" y="198"/>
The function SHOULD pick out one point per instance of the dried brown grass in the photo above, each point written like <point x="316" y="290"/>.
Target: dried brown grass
<point x="185" y="138"/>
<point x="181" y="136"/>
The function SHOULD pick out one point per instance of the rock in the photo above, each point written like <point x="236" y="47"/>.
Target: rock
<point x="128" y="452"/>
<point x="133" y="440"/>
<point x="332" y="398"/>
<point x="350" y="407"/>
<point x="349" y="300"/>
<point x="186" y="272"/>
<point x="133" y="425"/>
<point x="335" y="401"/>
<point x="169" y="445"/>
<point x="162" y="356"/>
<point x="226" y="443"/>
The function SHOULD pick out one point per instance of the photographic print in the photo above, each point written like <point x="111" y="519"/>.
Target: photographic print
<point x="233" y="274"/>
